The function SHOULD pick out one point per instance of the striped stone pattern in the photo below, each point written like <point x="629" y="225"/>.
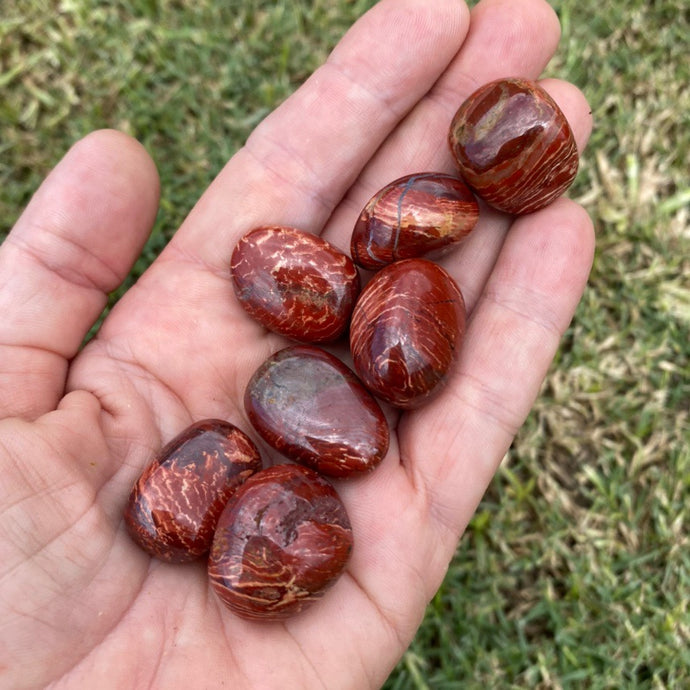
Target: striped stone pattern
<point x="309" y="406"/>
<point x="173" y="508"/>
<point x="416" y="215"/>
<point x="282" y="541"/>
<point x="406" y="330"/>
<point x="294" y="283"/>
<point x="514" y="146"/>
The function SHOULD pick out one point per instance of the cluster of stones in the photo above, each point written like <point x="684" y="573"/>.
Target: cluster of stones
<point x="279" y="537"/>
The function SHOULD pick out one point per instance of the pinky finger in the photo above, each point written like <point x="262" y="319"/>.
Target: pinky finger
<point x="513" y="334"/>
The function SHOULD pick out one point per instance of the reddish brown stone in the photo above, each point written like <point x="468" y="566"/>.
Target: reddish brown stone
<point x="295" y="283"/>
<point x="310" y="407"/>
<point x="407" y="328"/>
<point x="174" y="506"/>
<point x="282" y="541"/>
<point x="413" y="216"/>
<point x="514" y="146"/>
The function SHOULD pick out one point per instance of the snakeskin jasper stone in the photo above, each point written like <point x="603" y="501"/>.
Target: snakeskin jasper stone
<point x="407" y="328"/>
<point x="294" y="283"/>
<point x="413" y="216"/>
<point x="282" y="541"/>
<point x="514" y="146"/>
<point x="310" y="407"/>
<point x="174" y="506"/>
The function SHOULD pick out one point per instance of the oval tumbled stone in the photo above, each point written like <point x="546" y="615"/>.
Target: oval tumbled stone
<point x="294" y="283"/>
<point x="413" y="216"/>
<point x="310" y="407"/>
<point x="174" y="506"/>
<point x="407" y="328"/>
<point x="282" y="541"/>
<point x="513" y="145"/>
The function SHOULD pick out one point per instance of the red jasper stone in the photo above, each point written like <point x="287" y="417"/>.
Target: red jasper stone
<point x="174" y="506"/>
<point x="281" y="542"/>
<point x="413" y="216"/>
<point x="310" y="407"/>
<point x="514" y="146"/>
<point x="295" y="283"/>
<point x="407" y="328"/>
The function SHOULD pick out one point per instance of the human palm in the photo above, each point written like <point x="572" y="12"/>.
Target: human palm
<point x="80" y="604"/>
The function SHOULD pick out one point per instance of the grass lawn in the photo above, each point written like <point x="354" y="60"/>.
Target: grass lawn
<point x="575" y="571"/>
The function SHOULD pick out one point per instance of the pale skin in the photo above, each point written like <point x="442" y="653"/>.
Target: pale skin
<point x="80" y="604"/>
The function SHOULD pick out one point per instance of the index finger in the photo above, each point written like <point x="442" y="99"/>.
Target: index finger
<point x="300" y="161"/>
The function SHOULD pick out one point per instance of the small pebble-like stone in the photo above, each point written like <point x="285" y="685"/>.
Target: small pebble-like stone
<point x="413" y="216"/>
<point x="295" y="283"/>
<point x="407" y="328"/>
<point x="310" y="407"/>
<point x="174" y="506"/>
<point x="514" y="146"/>
<point x="282" y="541"/>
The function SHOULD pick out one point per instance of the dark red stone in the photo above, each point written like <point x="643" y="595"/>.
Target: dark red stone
<point x="514" y="146"/>
<point x="310" y="407"/>
<point x="174" y="506"/>
<point x="413" y="216"/>
<point x="283" y="540"/>
<point x="295" y="283"/>
<point x="407" y="328"/>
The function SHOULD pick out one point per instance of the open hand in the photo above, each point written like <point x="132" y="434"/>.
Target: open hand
<point x="79" y="602"/>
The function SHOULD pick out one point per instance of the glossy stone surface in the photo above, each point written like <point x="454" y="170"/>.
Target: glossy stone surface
<point x="174" y="506"/>
<point x="413" y="216"/>
<point x="514" y="146"/>
<point x="310" y="407"/>
<point x="294" y="283"/>
<point x="407" y="328"/>
<point x="281" y="542"/>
